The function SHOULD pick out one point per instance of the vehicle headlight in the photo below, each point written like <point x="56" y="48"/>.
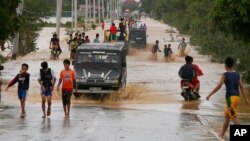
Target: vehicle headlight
<point x="111" y="81"/>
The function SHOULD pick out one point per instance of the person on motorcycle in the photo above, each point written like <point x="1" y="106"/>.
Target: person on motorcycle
<point x="156" y="48"/>
<point x="55" y="46"/>
<point x="187" y="73"/>
<point x="195" y="82"/>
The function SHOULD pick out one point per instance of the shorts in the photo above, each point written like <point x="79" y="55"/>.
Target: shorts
<point x="66" y="96"/>
<point x="182" y="51"/>
<point x="113" y="36"/>
<point x="46" y="92"/>
<point x="195" y="81"/>
<point x="187" y="83"/>
<point x="232" y="103"/>
<point x="22" y="94"/>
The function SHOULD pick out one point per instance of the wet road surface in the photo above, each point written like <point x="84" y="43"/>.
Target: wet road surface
<point x="150" y="109"/>
<point x="102" y="124"/>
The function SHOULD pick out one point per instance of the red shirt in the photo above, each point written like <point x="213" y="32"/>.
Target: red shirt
<point x="113" y="30"/>
<point x="198" y="70"/>
<point x="68" y="77"/>
<point x="103" y="24"/>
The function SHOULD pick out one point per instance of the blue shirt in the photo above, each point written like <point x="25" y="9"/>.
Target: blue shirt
<point x="232" y="81"/>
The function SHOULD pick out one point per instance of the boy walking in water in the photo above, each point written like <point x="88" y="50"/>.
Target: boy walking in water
<point x="68" y="78"/>
<point x="47" y="80"/>
<point x="23" y="79"/>
<point x="233" y="82"/>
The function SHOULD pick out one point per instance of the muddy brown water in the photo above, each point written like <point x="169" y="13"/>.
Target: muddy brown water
<point x="153" y="83"/>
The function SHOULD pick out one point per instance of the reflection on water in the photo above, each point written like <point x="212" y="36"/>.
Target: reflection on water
<point x="66" y="123"/>
<point x="45" y="125"/>
<point x="193" y="105"/>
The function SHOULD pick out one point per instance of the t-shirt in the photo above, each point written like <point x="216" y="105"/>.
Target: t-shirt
<point x="68" y="77"/>
<point x="73" y="45"/>
<point x="22" y="79"/>
<point x="232" y="80"/>
<point x="55" y="41"/>
<point x="52" y="73"/>
<point x="197" y="70"/>
<point x="113" y="30"/>
<point x="187" y="72"/>
<point x="182" y="45"/>
<point x="96" y="40"/>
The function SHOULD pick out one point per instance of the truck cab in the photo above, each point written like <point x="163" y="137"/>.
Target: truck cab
<point x="137" y="37"/>
<point x="100" y="68"/>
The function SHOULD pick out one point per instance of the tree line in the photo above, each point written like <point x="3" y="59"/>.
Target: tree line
<point x="218" y="28"/>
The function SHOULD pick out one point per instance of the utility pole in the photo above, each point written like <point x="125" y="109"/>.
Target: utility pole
<point x="99" y="12"/>
<point x="94" y="10"/>
<point x="58" y="17"/>
<point x="86" y="11"/>
<point x="72" y="14"/>
<point x="91" y="9"/>
<point x="110" y="9"/>
<point x="118" y="8"/>
<point x="16" y="39"/>
<point x="107" y="13"/>
<point x="103" y="10"/>
<point x="75" y="15"/>
<point x="115" y="3"/>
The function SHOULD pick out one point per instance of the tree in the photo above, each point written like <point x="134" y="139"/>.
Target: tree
<point x="218" y="28"/>
<point x="10" y="20"/>
<point x="34" y="11"/>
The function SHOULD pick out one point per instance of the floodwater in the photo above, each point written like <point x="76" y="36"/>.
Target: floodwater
<point x="150" y="108"/>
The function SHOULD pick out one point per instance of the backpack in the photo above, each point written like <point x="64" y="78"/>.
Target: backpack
<point x="46" y="77"/>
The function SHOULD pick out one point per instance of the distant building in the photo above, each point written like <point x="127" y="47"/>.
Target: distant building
<point x="82" y="9"/>
<point x="131" y="1"/>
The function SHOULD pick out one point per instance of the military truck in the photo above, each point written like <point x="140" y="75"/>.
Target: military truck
<point x="137" y="37"/>
<point x="100" y="68"/>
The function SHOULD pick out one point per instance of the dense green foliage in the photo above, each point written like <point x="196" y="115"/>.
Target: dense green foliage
<point x="34" y="11"/>
<point x="10" y="21"/>
<point x="219" y="28"/>
<point x="26" y="24"/>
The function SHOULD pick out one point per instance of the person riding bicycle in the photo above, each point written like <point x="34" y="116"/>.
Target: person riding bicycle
<point x="187" y="72"/>
<point x="55" y="46"/>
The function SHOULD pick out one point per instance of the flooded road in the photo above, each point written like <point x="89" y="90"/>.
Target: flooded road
<point x="150" y="108"/>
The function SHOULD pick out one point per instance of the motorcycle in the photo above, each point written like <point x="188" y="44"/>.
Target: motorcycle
<point x="54" y="54"/>
<point x="55" y="51"/>
<point x="187" y="92"/>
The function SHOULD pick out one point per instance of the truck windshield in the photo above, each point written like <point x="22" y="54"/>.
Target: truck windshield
<point x="98" y="58"/>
